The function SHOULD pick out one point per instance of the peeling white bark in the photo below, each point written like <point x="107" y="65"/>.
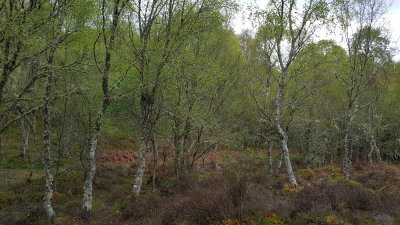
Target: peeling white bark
<point x="88" y="187"/>
<point x="46" y="155"/>
<point x="47" y="116"/>
<point x="284" y="137"/>
<point x="143" y="148"/>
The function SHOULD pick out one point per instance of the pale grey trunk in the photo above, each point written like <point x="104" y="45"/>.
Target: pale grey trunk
<point x="216" y="147"/>
<point x="378" y="153"/>
<point x="284" y="137"/>
<point x="155" y="161"/>
<point x="25" y="132"/>
<point x="346" y="155"/>
<point x="191" y="147"/>
<point x="374" y="148"/>
<point x="47" y="117"/>
<point x="88" y="188"/>
<point x="178" y="145"/>
<point x="109" y="46"/>
<point x="26" y="142"/>
<point x="189" y="151"/>
<point x="3" y="155"/>
<point x="51" y="215"/>
<point x="143" y="148"/>
<point x="66" y="141"/>
<point x="271" y="169"/>
<point x="279" y="166"/>
<point x="371" y="151"/>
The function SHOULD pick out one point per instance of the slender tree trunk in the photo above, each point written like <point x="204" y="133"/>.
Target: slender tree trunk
<point x="371" y="151"/>
<point x="47" y="117"/>
<point x="155" y="161"/>
<point x="189" y="151"/>
<point x="143" y="149"/>
<point x="88" y="187"/>
<point x="284" y="137"/>
<point x="109" y="46"/>
<point x="177" y="154"/>
<point x="346" y="155"/>
<point x="3" y="158"/>
<point x="25" y="132"/>
<point x="374" y="148"/>
<point x="279" y="165"/>
<point x="271" y="169"/>
<point x="30" y="167"/>
<point x="378" y="153"/>
<point x="46" y="154"/>
<point x="147" y="134"/>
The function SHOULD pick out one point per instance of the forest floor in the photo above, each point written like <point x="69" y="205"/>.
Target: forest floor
<point x="230" y="187"/>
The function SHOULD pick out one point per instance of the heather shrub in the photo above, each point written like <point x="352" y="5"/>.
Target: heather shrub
<point x="339" y="195"/>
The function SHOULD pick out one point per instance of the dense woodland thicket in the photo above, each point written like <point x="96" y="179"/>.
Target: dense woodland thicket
<point x="103" y="100"/>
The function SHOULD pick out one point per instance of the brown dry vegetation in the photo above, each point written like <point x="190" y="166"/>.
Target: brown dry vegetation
<point x="230" y="188"/>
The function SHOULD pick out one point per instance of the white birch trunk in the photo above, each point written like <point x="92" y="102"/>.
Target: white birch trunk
<point x="47" y="117"/>
<point x="143" y="148"/>
<point x="284" y="137"/>
<point x="371" y="151"/>
<point x="46" y="155"/>
<point x="88" y="186"/>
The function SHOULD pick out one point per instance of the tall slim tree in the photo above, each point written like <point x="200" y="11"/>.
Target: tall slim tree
<point x="58" y="13"/>
<point x="292" y="29"/>
<point x="360" y="17"/>
<point x="108" y="32"/>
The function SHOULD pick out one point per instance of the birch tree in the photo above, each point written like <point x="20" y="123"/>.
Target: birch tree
<point x="292" y="29"/>
<point x="157" y="29"/>
<point x="359" y="23"/>
<point x="59" y="13"/>
<point x="108" y="33"/>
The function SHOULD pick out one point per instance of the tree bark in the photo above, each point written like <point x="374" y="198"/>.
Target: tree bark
<point x="271" y="169"/>
<point x="25" y="131"/>
<point x="284" y="137"/>
<point x="177" y="153"/>
<point x="88" y="188"/>
<point x="46" y="155"/>
<point x="155" y="162"/>
<point x="279" y="166"/>
<point x="346" y="157"/>
<point x="109" y="46"/>
<point x="143" y="149"/>
<point x="47" y="115"/>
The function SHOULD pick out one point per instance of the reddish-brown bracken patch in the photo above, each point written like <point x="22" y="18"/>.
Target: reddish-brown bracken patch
<point x="118" y="157"/>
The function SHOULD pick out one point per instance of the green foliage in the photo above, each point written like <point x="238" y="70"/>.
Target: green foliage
<point x="205" y="85"/>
